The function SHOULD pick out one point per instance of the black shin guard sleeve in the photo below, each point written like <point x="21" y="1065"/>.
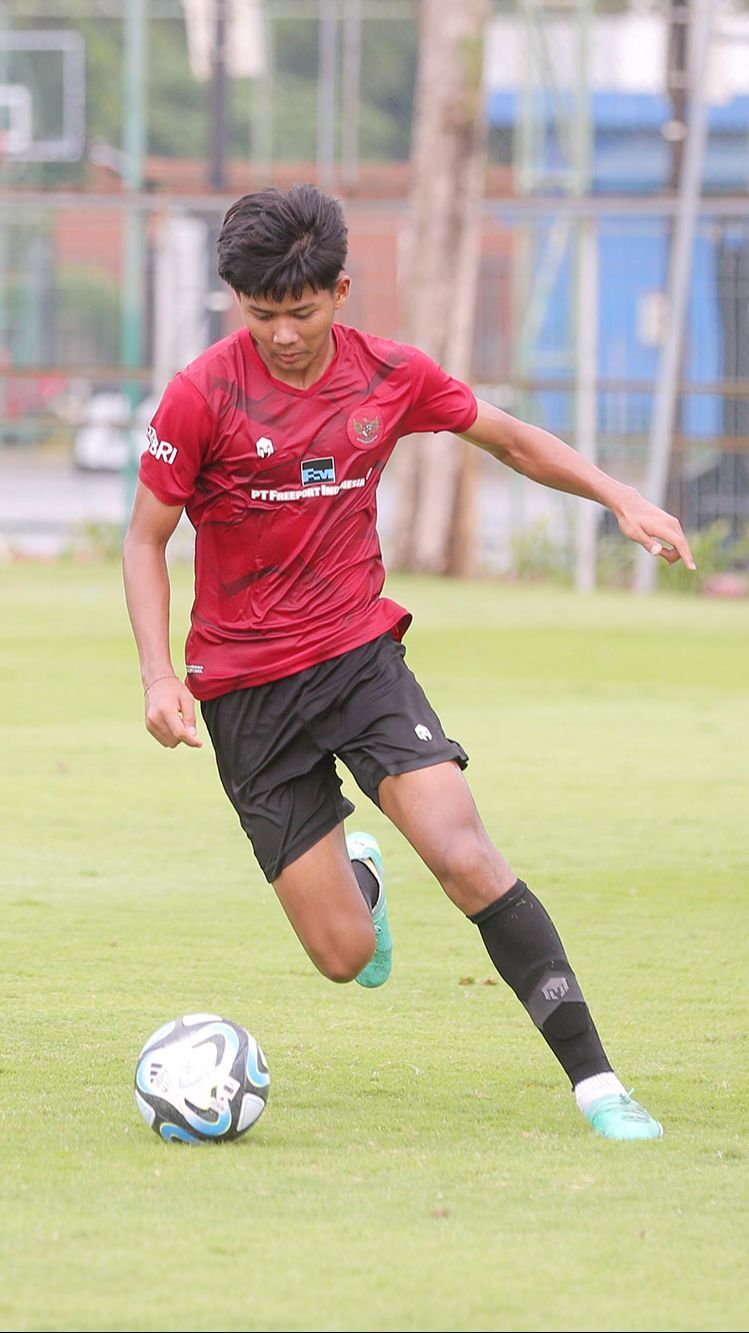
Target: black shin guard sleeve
<point x="524" y="946"/>
<point x="368" y="886"/>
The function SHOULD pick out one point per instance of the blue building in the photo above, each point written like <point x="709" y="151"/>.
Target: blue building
<point x="632" y="156"/>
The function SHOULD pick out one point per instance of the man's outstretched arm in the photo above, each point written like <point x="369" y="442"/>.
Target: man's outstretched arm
<point x="537" y="454"/>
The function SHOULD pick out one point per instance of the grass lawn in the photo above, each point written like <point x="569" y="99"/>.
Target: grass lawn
<point x="421" y="1164"/>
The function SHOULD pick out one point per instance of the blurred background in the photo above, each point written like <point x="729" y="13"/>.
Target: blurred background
<point x="550" y="197"/>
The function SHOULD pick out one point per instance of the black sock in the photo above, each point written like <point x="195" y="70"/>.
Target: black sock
<point x="368" y="885"/>
<point x="522" y="942"/>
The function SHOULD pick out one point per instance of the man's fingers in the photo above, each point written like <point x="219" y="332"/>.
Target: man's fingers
<point x="164" y="727"/>
<point x="677" y="547"/>
<point x="170" y="714"/>
<point x="187" y="713"/>
<point x="190" y="737"/>
<point x="170" y="730"/>
<point x="680" y="549"/>
<point x="670" y="553"/>
<point x="661" y="534"/>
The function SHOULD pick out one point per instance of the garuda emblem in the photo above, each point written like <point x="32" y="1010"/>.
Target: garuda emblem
<point x="366" y="429"/>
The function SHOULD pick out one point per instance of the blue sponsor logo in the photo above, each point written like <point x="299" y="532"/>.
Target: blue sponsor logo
<point x="316" y="470"/>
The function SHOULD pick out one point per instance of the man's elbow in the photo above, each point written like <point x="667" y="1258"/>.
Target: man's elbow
<point x="136" y="544"/>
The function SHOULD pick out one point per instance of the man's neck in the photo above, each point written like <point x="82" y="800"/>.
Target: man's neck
<point x="304" y="376"/>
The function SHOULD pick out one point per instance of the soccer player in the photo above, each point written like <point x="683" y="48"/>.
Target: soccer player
<point x="273" y="440"/>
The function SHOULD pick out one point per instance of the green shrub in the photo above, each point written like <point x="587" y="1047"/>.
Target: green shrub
<point x="714" y="551"/>
<point x="538" y="556"/>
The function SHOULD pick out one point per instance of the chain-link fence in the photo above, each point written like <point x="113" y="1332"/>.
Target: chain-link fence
<point x="106" y="246"/>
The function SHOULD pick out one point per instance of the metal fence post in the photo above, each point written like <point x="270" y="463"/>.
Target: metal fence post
<point x="664" y="408"/>
<point x="134" y="147"/>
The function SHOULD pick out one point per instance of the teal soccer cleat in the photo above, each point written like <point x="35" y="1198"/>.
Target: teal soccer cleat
<point x="363" y="847"/>
<point x="617" y="1116"/>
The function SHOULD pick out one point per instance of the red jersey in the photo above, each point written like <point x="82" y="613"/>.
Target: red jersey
<point x="280" y="485"/>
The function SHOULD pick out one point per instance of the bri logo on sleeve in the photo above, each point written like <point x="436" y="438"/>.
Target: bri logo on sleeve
<point x="162" y="450"/>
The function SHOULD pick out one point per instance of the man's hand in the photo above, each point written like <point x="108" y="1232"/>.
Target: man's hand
<point x="660" y="533"/>
<point x="170" y="713"/>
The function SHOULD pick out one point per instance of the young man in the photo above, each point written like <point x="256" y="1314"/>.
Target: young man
<point x="273" y="440"/>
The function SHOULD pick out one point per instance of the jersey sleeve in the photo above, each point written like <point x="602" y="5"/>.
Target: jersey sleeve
<point x="438" y="402"/>
<point x="178" y="439"/>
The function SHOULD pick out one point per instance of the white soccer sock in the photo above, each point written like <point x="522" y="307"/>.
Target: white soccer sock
<point x="590" y="1089"/>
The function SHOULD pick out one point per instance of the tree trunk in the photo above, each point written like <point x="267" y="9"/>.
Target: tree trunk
<point x="435" y="474"/>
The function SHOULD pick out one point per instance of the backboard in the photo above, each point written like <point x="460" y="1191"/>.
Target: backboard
<point x="42" y="92"/>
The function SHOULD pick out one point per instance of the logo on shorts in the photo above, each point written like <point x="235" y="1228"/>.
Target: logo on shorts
<point x="423" y="733"/>
<point x="264" y="447"/>
<point x="555" y="989"/>
<point x="315" y="470"/>
<point x="193" y="669"/>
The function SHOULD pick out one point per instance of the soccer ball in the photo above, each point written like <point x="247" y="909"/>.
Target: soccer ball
<point x="201" y="1079"/>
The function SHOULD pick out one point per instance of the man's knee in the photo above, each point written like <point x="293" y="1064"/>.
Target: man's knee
<point x="469" y="863"/>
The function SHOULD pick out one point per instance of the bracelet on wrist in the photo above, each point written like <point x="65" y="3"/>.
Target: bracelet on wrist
<point x="171" y="675"/>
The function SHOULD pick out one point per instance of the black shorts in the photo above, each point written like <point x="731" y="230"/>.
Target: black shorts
<point x="276" y="745"/>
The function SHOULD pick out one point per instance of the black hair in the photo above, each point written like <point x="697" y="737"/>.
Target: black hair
<point x="274" y="243"/>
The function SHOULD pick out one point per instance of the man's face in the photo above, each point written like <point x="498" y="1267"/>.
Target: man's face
<point x="293" y="336"/>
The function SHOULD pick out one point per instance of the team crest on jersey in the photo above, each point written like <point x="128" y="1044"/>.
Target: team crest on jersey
<point x="366" y="428"/>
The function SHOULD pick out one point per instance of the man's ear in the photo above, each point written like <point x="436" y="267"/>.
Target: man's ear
<point x="342" y="289"/>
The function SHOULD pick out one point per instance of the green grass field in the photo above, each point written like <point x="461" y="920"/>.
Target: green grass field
<point x="421" y="1164"/>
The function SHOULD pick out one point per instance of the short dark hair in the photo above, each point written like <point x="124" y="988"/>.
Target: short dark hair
<point x="274" y="243"/>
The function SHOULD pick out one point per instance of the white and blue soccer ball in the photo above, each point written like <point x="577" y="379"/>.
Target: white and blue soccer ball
<point x="201" y="1079"/>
